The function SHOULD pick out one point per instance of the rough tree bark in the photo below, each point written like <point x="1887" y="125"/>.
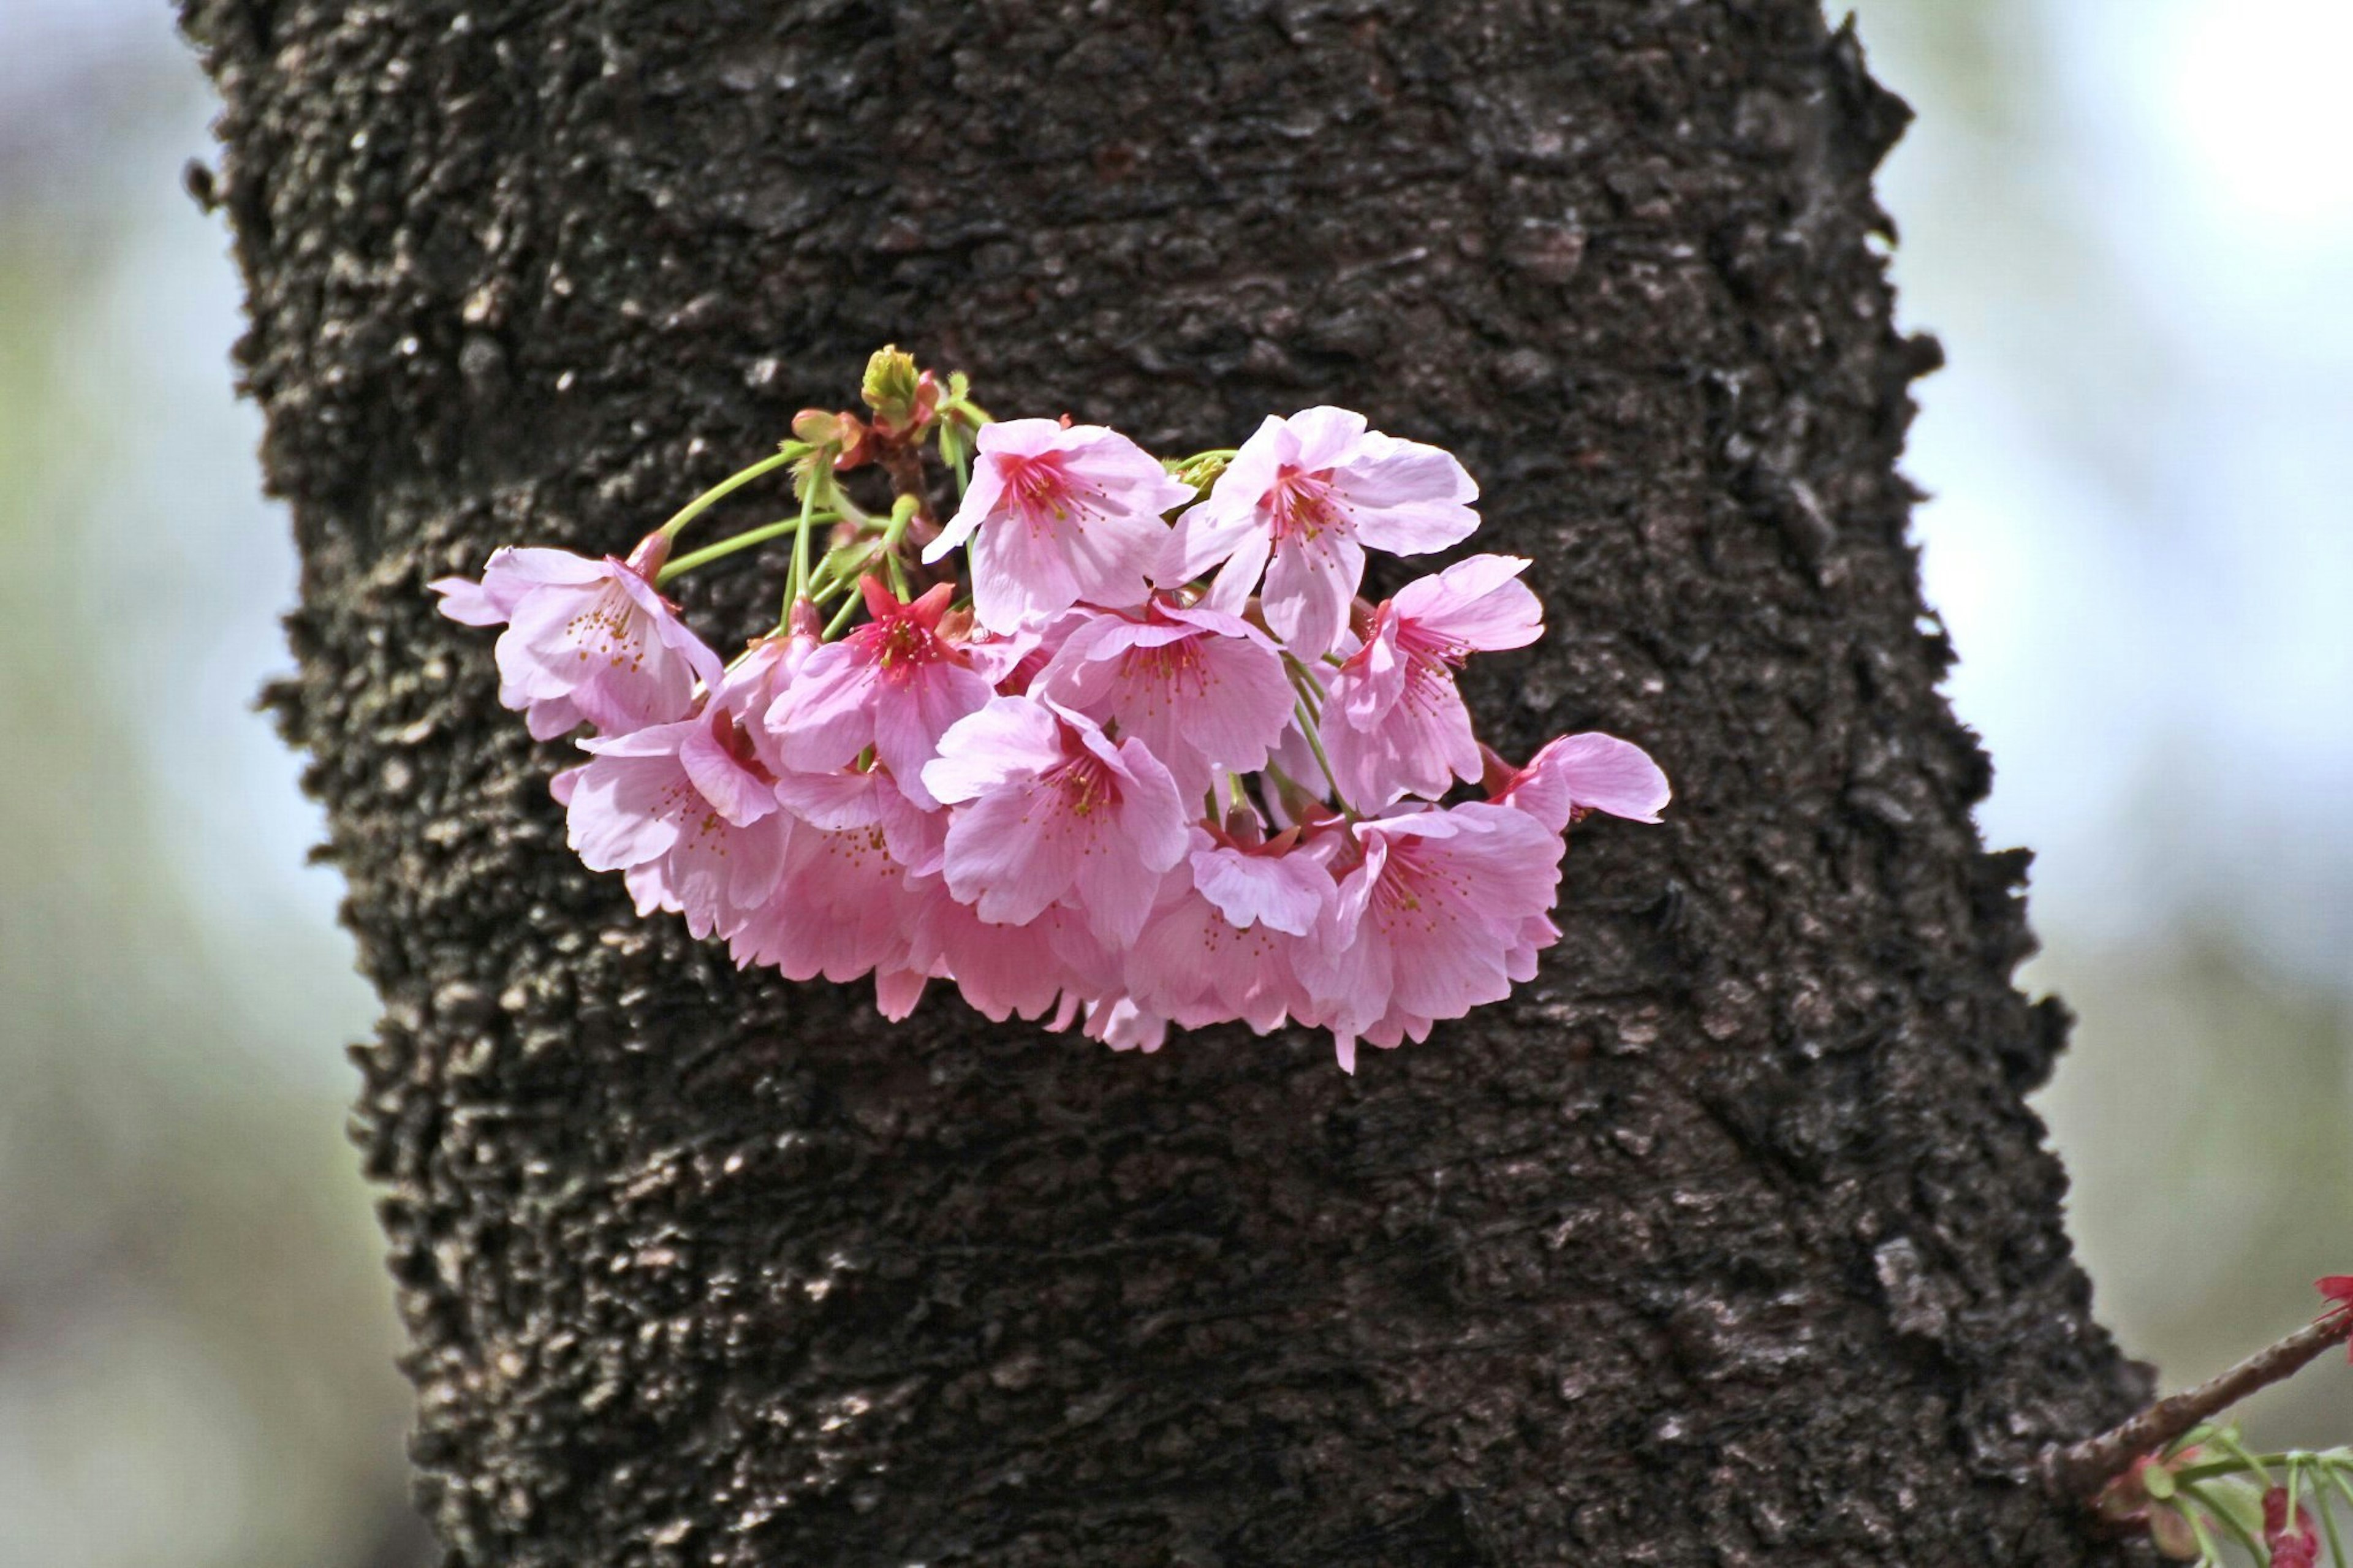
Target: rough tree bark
<point x="1728" y="1241"/>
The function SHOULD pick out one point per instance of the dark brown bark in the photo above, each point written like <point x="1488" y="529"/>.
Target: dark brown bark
<point x="1729" y="1240"/>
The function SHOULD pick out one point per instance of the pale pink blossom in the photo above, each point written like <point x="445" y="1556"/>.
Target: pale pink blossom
<point x="842" y="906"/>
<point x="896" y="684"/>
<point x="585" y="640"/>
<point x="1048" y="810"/>
<point x="686" y="811"/>
<point x="1059" y="514"/>
<point x="1226" y="933"/>
<point x="1122" y="1026"/>
<point x="1392" y="722"/>
<point x="760" y="674"/>
<point x="1579" y="773"/>
<point x="1433" y="921"/>
<point x="1202" y="689"/>
<point x="852" y="799"/>
<point x="1300" y="501"/>
<point x="1007" y="971"/>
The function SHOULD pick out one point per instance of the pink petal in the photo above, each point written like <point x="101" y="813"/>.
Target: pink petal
<point x="625" y="811"/>
<point x="1017" y="575"/>
<point x="734" y="791"/>
<point x="825" y="717"/>
<point x="1284" y="892"/>
<point x="1324" y="437"/>
<point x="1407" y="497"/>
<point x="1013" y="737"/>
<point x="1309" y="587"/>
<point x="1013" y="853"/>
<point x="1591" y="771"/>
<point x="1475" y="603"/>
<point x="896" y="992"/>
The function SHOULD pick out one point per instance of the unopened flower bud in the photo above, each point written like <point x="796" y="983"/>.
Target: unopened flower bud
<point x="890" y="386"/>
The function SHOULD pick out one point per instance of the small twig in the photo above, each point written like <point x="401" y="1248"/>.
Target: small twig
<point x="2084" y="1468"/>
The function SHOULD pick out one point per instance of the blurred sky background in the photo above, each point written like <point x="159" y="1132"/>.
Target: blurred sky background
<point x="2130" y="221"/>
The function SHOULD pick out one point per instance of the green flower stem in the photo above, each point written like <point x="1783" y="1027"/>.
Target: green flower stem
<point x="791" y="452"/>
<point x="2329" y="1516"/>
<point x="1304" y="679"/>
<point x="841" y="616"/>
<point x="1316" y="744"/>
<point x="2228" y="1521"/>
<point x="2328" y="1528"/>
<point x="2229" y="1442"/>
<point x="725" y="548"/>
<point x="2330" y="1461"/>
<point x="798" y="585"/>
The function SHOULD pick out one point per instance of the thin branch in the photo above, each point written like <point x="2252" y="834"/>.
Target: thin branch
<point x="2090" y="1465"/>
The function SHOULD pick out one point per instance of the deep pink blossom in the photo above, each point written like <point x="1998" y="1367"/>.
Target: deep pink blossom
<point x="2338" y="1289"/>
<point x="1300" y="501"/>
<point x="1392" y="722"/>
<point x="2291" y="1541"/>
<point x="1057" y="515"/>
<point x="895" y="684"/>
<point x="1048" y="810"/>
<point x="585" y="640"/>
<point x="1579" y="773"/>
<point x="1433" y="921"/>
<point x="688" y="814"/>
<point x="1201" y="689"/>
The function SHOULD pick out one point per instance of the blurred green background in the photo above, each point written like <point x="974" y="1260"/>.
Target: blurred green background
<point x="2131" y="221"/>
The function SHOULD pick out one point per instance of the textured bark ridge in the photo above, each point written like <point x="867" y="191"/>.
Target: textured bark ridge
<point x="1728" y="1241"/>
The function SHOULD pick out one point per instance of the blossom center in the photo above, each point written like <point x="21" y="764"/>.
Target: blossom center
<point x="608" y="628"/>
<point x="1414" y="888"/>
<point x="1171" y="664"/>
<point x="902" y="647"/>
<point x="1086" y="785"/>
<point x="1041" y="492"/>
<point x="1302" y="504"/>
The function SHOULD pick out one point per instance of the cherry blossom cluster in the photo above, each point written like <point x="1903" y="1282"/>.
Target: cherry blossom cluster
<point x="1163" y="766"/>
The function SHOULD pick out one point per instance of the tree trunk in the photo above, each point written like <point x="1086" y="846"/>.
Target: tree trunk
<point x="1728" y="1240"/>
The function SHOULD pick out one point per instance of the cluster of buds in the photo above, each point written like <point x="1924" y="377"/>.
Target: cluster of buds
<point x="1163" y="766"/>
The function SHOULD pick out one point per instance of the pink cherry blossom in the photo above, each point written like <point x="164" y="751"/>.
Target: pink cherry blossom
<point x="852" y="799"/>
<point x="760" y="674"/>
<point x="1122" y="1026"/>
<point x="585" y="640"/>
<point x="1393" y="723"/>
<point x="1007" y="971"/>
<point x="1200" y="689"/>
<point x="688" y="813"/>
<point x="1300" y="501"/>
<point x="842" y="906"/>
<point x="895" y="684"/>
<point x="1048" y="810"/>
<point x="1579" y="773"/>
<point x="1227" y="932"/>
<point x="1057" y="515"/>
<point x="1431" y="923"/>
